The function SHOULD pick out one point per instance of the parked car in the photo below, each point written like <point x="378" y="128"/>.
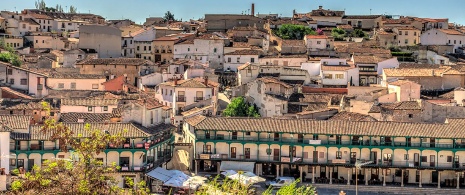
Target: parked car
<point x="280" y="182"/>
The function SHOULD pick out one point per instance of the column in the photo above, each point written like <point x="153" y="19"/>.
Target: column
<point x="301" y="179"/>
<point x="313" y="174"/>
<point x="384" y="177"/>
<point x="330" y="175"/>
<point x="218" y="164"/>
<point x="366" y="177"/>
<point x="282" y="170"/>
<point x="439" y="179"/>
<point x="348" y="176"/>
<point x="458" y="180"/>
<point x="420" y="180"/>
<point x="196" y="166"/>
<point x="277" y="170"/>
<point x="402" y="178"/>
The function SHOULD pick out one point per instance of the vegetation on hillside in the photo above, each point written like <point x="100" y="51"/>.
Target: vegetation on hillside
<point x="293" y="31"/>
<point x="9" y="56"/>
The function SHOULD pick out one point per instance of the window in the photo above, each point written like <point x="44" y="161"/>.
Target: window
<point x="328" y="76"/>
<point x="338" y="155"/>
<point x="73" y="86"/>
<point x="229" y="59"/>
<point x="414" y="33"/>
<point x="318" y="42"/>
<point x="145" y="48"/>
<point x="21" y="163"/>
<point x="12" y="81"/>
<point x="449" y="41"/>
<point x="449" y="158"/>
<point x="188" y="49"/>
<point x="247" y="133"/>
<point x="455" y="41"/>
<point x="12" y="162"/>
<point x="400" y="32"/>
<point x="89" y="108"/>
<point x="24" y="25"/>
<point x="424" y="159"/>
<point x="406" y="41"/>
<point x="214" y="50"/>
<point x="406" y="32"/>
<point x="238" y="59"/>
<point x="61" y="85"/>
<point x="171" y="92"/>
<point x="23" y="82"/>
<point x="150" y="48"/>
<point x="339" y="76"/>
<point x="414" y="41"/>
<point x="138" y="48"/>
<point x="105" y="108"/>
<point x="410" y="115"/>
<point x="405" y="156"/>
<point x="94" y="86"/>
<point x="252" y="60"/>
<point x="10" y="72"/>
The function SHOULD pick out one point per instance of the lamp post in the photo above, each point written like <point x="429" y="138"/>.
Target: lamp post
<point x="358" y="166"/>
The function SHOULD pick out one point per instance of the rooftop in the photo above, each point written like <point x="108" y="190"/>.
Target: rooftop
<point x="88" y="102"/>
<point x="113" y="61"/>
<point x="75" y="117"/>
<point x="352" y="116"/>
<point x="245" y="52"/>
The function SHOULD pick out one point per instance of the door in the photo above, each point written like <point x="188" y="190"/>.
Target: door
<point x="233" y="152"/>
<point x="276" y="154"/>
<point x="416" y="159"/>
<point x="207" y="135"/>
<point x="30" y="164"/>
<point x="234" y="136"/>
<point x="353" y="157"/>
<point x="432" y="142"/>
<point x="300" y="138"/>
<point x="374" y="157"/>
<point x="374" y="173"/>
<point x="323" y="172"/>
<point x="456" y="162"/>
<point x="409" y="140"/>
<point x="417" y="176"/>
<point x="355" y="140"/>
<point x="315" y="156"/>
<point x="157" y="57"/>
<point x="247" y="153"/>
<point x="434" y="177"/>
<point x="334" y="173"/>
<point x="405" y="177"/>
<point x="338" y="139"/>
<point x="432" y="161"/>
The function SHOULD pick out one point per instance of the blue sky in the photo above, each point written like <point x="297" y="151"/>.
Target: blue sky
<point x="138" y="10"/>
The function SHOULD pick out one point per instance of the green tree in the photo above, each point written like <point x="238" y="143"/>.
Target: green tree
<point x="292" y="189"/>
<point x="169" y="16"/>
<point x="9" y="56"/>
<point x="230" y="186"/>
<point x="72" y="9"/>
<point x="358" y="33"/>
<point x="82" y="173"/>
<point x="239" y="107"/>
<point x="338" y="34"/>
<point x="293" y="31"/>
<point x="40" y="4"/>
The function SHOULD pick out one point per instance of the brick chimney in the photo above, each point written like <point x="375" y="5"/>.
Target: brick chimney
<point x="252" y="11"/>
<point x="206" y="80"/>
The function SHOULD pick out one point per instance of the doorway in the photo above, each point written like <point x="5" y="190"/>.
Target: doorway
<point x="315" y="156"/>
<point x="432" y="161"/>
<point x="374" y="157"/>
<point x="30" y="164"/>
<point x="434" y="177"/>
<point x="276" y="154"/>
<point x="416" y="159"/>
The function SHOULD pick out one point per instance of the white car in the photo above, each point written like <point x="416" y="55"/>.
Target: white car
<point x="280" y="182"/>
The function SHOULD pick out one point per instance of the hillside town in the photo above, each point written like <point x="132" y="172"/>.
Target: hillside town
<point x="327" y="98"/>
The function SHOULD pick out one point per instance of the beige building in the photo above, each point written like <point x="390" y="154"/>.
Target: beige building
<point x="163" y="47"/>
<point x="113" y="67"/>
<point x="103" y="39"/>
<point x="407" y="36"/>
<point x="367" y="22"/>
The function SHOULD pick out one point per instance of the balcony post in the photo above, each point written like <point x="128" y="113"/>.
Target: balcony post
<point x="196" y="167"/>
<point x="301" y="174"/>
<point x="348" y="176"/>
<point x="439" y="180"/>
<point x="384" y="177"/>
<point x="366" y="176"/>
<point x="218" y="164"/>
<point x="420" y="179"/>
<point x="313" y="174"/>
<point x="132" y="164"/>
<point x="330" y="175"/>
<point x="458" y="180"/>
<point x="277" y="170"/>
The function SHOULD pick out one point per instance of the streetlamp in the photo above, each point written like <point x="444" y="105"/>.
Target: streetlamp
<point x="358" y="166"/>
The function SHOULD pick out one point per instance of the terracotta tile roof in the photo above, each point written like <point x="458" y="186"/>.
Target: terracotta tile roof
<point x="274" y="80"/>
<point x="150" y="103"/>
<point x="30" y="21"/>
<point x="195" y="82"/>
<point x="16" y="121"/>
<point x="361" y="16"/>
<point x="189" y="41"/>
<point x="113" y="61"/>
<point x="328" y="13"/>
<point x="26" y="106"/>
<point x="88" y="102"/>
<point x="316" y="37"/>
<point x="39" y="16"/>
<point x="195" y="120"/>
<point x="344" y="26"/>
<point x="368" y="59"/>
<point x="401" y="82"/>
<point x="127" y="130"/>
<point x="241" y="44"/>
<point x="411" y="70"/>
<point x="286" y="56"/>
<point x="452" y="129"/>
<point x="241" y="67"/>
<point x="14" y="92"/>
<point x="451" y="32"/>
<point x="74" y="117"/>
<point x="59" y="75"/>
<point x="406" y="28"/>
<point x="338" y="67"/>
<point x="293" y="43"/>
<point x="245" y="52"/>
<point x="195" y="109"/>
<point x="352" y="116"/>
<point x="407" y="105"/>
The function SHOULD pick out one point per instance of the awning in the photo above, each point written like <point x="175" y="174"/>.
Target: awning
<point x="160" y="174"/>
<point x="237" y="166"/>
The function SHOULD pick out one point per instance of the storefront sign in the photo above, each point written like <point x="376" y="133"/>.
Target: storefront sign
<point x="285" y="159"/>
<point x="339" y="161"/>
<point x="213" y="156"/>
<point x="314" y="142"/>
<point x="204" y="156"/>
<point x="296" y="159"/>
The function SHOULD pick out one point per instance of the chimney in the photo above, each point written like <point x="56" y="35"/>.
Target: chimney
<point x="320" y="7"/>
<point x="253" y="10"/>
<point x="206" y="80"/>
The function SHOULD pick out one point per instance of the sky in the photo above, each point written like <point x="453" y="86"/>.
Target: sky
<point x="138" y="10"/>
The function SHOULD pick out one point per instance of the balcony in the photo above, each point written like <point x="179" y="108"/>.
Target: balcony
<point x="330" y="142"/>
<point x="181" y="98"/>
<point x="198" y="99"/>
